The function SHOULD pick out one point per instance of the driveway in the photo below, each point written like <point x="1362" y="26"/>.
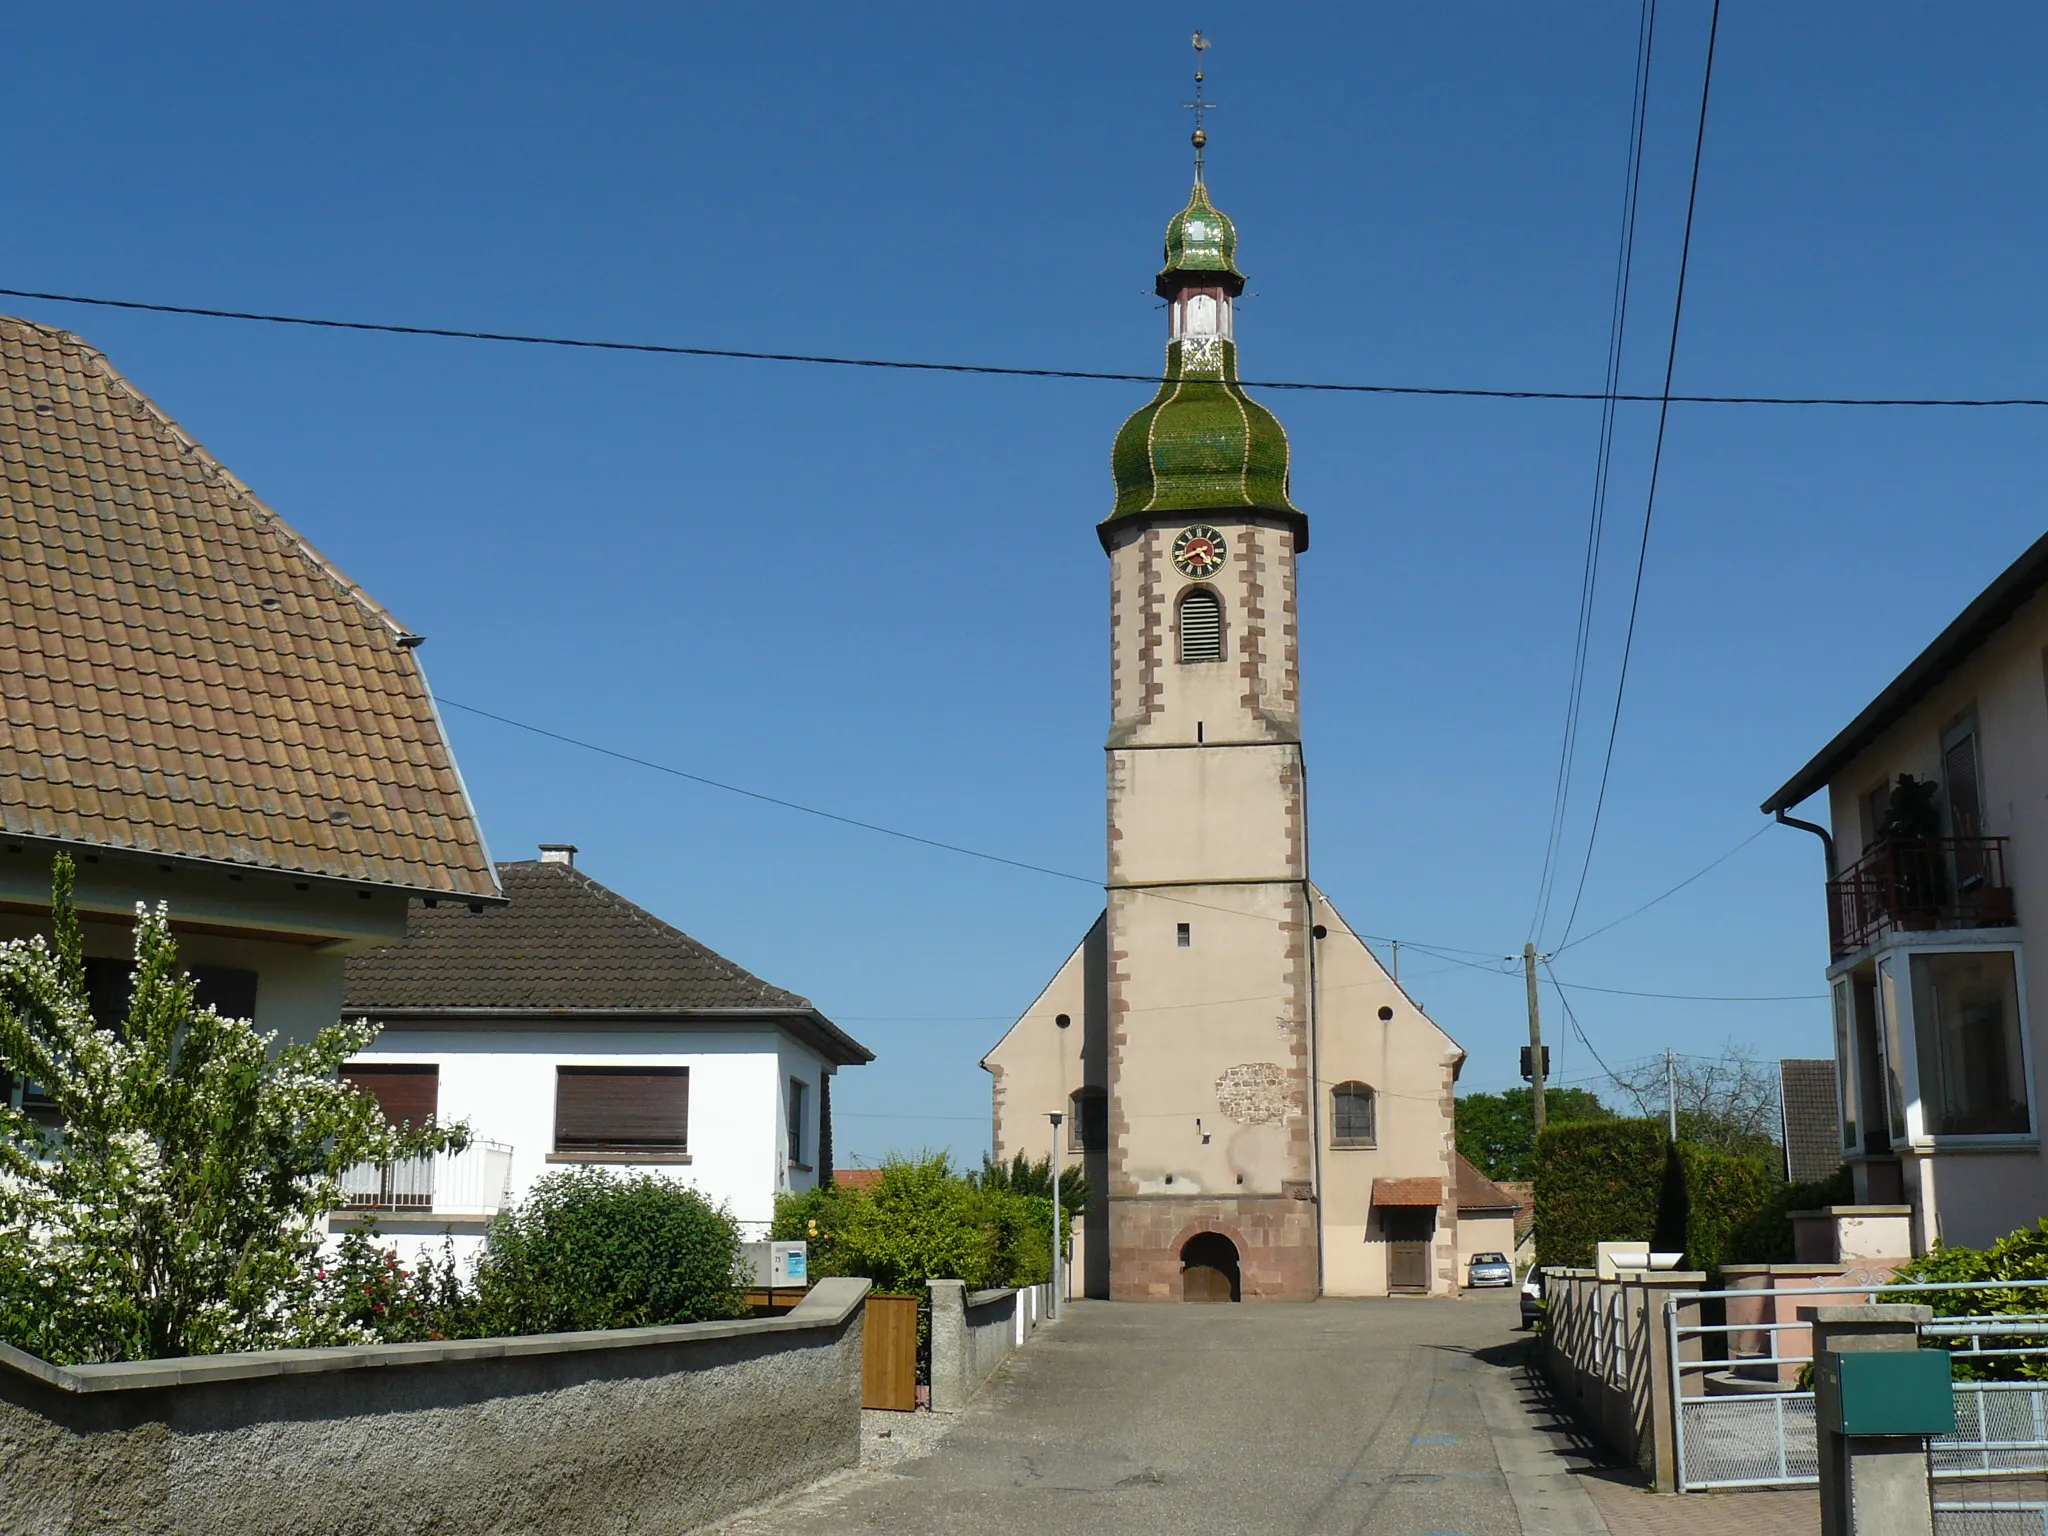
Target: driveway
<point x="1334" y="1416"/>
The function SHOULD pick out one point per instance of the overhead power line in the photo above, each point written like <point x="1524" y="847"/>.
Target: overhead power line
<point x="1506" y="965"/>
<point x="1603" y="469"/>
<point x="1692" y="199"/>
<point x="452" y="333"/>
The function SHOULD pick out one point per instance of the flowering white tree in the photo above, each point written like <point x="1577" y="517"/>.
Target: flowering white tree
<point x="174" y="1207"/>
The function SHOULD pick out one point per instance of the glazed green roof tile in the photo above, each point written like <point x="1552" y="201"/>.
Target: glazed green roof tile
<point x="1202" y="444"/>
<point x="1200" y="238"/>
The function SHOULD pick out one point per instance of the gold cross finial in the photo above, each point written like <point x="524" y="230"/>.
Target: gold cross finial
<point x="1199" y="106"/>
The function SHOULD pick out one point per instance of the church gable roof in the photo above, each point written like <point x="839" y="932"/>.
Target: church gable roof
<point x="190" y="677"/>
<point x="565" y="944"/>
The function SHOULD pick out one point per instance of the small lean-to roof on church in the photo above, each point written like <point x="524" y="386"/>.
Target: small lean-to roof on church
<point x="565" y="946"/>
<point x="188" y="677"/>
<point x="1202" y="444"/>
<point x="1429" y="1192"/>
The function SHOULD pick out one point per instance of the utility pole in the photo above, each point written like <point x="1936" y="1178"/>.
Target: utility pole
<point x="1535" y="1038"/>
<point x="1671" y="1089"/>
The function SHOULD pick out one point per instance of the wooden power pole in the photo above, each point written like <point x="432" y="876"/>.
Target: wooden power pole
<point x="1535" y="1038"/>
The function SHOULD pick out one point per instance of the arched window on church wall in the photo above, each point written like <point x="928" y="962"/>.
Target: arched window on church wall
<point x="1352" y="1119"/>
<point x="1201" y="626"/>
<point x="1088" y="1122"/>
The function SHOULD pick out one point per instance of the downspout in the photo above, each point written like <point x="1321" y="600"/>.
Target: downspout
<point x="1827" y="838"/>
<point x="1827" y="845"/>
<point x="1315" y="1071"/>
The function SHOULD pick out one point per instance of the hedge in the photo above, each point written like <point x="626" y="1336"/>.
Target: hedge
<point x="1596" y="1181"/>
<point x="1622" y="1181"/>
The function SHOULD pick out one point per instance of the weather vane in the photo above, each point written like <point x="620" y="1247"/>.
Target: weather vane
<point x="1198" y="106"/>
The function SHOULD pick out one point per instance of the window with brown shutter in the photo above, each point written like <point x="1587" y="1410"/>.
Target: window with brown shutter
<point x="622" y="1109"/>
<point x="408" y="1094"/>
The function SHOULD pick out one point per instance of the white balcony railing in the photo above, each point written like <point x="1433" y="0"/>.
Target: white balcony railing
<point x="476" y="1181"/>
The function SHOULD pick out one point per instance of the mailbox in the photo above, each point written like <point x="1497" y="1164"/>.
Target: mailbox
<point x="1887" y="1391"/>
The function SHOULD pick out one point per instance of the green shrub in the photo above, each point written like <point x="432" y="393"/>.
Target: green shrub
<point x="922" y="1221"/>
<point x="2021" y="1255"/>
<point x="175" y="1207"/>
<point x="1765" y="1237"/>
<point x="1596" y="1181"/>
<point x="592" y="1249"/>
<point x="1724" y="1191"/>
<point x="1620" y="1181"/>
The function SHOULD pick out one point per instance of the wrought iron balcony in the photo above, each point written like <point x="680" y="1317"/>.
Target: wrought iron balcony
<point x="477" y="1181"/>
<point x="1919" y="883"/>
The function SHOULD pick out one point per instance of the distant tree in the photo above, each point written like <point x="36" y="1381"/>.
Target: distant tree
<point x="1497" y="1131"/>
<point x="1728" y="1102"/>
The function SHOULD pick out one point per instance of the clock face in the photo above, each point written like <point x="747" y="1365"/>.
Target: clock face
<point x="1199" y="551"/>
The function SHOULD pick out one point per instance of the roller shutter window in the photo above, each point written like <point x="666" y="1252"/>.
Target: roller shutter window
<point x="622" y="1109"/>
<point x="408" y="1095"/>
<point x="1201" y="626"/>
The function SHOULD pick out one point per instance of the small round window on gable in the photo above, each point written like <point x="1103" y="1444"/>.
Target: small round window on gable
<point x="1201" y="626"/>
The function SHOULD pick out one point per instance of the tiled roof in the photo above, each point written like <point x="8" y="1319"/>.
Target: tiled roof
<point x="186" y="675"/>
<point x="1408" y="1192"/>
<point x="563" y="943"/>
<point x="1476" y="1192"/>
<point x="1813" y="1135"/>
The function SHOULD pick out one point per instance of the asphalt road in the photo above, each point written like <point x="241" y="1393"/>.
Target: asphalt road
<point x="1364" y="1417"/>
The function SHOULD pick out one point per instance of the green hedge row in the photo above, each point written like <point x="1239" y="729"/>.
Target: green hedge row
<point x="1623" y="1181"/>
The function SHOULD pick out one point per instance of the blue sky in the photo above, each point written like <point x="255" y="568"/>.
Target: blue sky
<point x="881" y="593"/>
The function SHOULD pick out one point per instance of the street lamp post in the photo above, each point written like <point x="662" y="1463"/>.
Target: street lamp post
<point x="1059" y="1275"/>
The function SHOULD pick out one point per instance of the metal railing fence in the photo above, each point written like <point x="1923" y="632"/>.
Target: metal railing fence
<point x="1762" y="1435"/>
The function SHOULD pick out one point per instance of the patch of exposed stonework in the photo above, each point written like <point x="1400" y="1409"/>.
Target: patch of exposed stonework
<point x="1257" y="1093"/>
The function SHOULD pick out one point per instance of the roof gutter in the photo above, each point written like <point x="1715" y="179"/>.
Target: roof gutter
<point x="849" y="1051"/>
<point x="1827" y="838"/>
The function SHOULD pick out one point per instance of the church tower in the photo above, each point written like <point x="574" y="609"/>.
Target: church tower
<point x="1209" y="908"/>
<point x="1259" y="1109"/>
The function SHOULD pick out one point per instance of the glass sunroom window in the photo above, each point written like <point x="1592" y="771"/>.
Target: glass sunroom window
<point x="1966" y="1025"/>
<point x="1845" y="1065"/>
<point x="1888" y="1044"/>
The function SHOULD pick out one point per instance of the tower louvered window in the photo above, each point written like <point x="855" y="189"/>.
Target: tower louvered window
<point x="1201" y="627"/>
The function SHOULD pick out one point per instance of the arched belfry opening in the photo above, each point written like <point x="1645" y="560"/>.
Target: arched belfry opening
<point x="1208" y="1268"/>
<point x="1201" y="626"/>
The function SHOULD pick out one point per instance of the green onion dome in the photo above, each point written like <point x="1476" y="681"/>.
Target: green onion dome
<point x="1200" y="239"/>
<point x="1202" y="444"/>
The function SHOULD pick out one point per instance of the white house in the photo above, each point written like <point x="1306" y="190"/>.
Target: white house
<point x="570" y="1027"/>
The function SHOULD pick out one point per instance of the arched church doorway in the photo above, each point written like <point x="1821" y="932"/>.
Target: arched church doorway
<point x="1208" y="1268"/>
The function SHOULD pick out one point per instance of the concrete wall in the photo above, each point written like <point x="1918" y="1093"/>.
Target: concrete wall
<point x="974" y="1333"/>
<point x="653" y="1430"/>
<point x="1965" y="1190"/>
<point x="1608" y="1353"/>
<point x="502" y="1081"/>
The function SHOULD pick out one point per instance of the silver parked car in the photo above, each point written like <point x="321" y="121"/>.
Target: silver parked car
<point x="1490" y="1269"/>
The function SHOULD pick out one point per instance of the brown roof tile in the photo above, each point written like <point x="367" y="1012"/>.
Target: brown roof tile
<point x="1808" y="1115"/>
<point x="563" y="943"/>
<point x="133" y="576"/>
<point x="1408" y="1192"/>
<point x="1476" y="1192"/>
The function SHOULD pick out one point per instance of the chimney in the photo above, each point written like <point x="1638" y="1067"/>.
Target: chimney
<point x="558" y="853"/>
